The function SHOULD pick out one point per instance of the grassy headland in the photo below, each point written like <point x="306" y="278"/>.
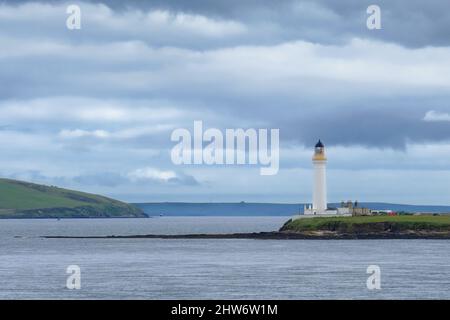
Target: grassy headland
<point x="20" y="199"/>
<point x="371" y="225"/>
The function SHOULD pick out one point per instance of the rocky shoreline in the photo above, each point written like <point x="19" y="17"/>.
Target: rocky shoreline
<point x="277" y="235"/>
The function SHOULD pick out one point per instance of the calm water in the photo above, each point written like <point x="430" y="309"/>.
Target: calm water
<point x="31" y="267"/>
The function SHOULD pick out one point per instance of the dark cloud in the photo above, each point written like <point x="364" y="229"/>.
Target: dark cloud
<point x="412" y="23"/>
<point x="382" y="124"/>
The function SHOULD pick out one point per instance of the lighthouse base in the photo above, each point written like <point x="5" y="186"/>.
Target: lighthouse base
<point x="310" y="211"/>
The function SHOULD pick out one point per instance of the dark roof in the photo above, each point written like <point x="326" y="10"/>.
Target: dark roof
<point x="319" y="144"/>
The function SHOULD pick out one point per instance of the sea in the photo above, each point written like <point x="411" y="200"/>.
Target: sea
<point x="32" y="267"/>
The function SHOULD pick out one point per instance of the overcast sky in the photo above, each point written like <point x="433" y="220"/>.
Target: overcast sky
<point x="93" y="109"/>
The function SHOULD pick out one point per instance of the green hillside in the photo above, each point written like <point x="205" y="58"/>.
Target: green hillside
<point x="20" y="199"/>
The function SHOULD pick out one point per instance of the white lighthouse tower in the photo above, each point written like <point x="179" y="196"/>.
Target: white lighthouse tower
<point x="319" y="205"/>
<point x="320" y="179"/>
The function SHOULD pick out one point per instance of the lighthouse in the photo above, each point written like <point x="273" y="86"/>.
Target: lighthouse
<point x="320" y="180"/>
<point x="319" y="205"/>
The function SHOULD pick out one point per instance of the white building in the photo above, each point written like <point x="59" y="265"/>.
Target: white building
<point x="319" y="205"/>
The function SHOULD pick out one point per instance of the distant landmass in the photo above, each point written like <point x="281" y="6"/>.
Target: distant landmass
<point x="19" y="199"/>
<point x="263" y="209"/>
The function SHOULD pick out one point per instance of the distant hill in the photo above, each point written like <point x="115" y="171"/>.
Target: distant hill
<point x="19" y="199"/>
<point x="261" y="209"/>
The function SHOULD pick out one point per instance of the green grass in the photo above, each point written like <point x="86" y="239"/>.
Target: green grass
<point x="24" y="199"/>
<point x="21" y="196"/>
<point x="370" y="223"/>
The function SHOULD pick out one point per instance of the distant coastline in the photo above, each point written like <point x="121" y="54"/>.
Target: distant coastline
<point x="176" y="209"/>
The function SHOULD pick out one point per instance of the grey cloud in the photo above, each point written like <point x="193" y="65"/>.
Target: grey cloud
<point x="107" y="179"/>
<point x="412" y="23"/>
<point x="372" y="126"/>
<point x="36" y="176"/>
<point x="185" y="180"/>
<point x="240" y="87"/>
<point x="103" y="179"/>
<point x="292" y="65"/>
